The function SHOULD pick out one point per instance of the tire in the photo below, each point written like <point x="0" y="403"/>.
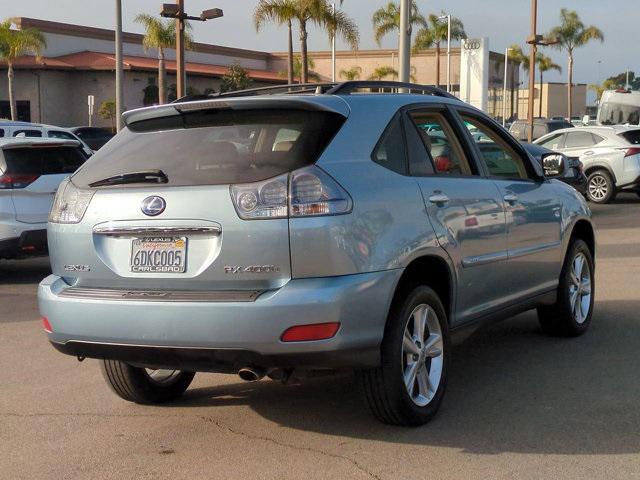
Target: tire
<point x="385" y="391"/>
<point x="141" y="385"/>
<point x="600" y="187"/>
<point x="567" y="317"/>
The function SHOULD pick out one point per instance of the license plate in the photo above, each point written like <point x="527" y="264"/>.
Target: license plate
<point x="159" y="255"/>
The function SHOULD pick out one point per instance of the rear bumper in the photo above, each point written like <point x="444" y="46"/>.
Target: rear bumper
<point x="30" y="242"/>
<point x="223" y="336"/>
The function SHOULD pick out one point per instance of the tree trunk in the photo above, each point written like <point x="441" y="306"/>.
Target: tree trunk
<point x="540" y="101"/>
<point x="513" y="89"/>
<point x="162" y="78"/>
<point x="290" y="56"/>
<point x="437" y="64"/>
<point x="570" y="88"/>
<point x="304" y="74"/>
<point x="12" y="99"/>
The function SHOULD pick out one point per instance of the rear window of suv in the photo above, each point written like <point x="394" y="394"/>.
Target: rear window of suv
<point x="632" y="136"/>
<point x="215" y="146"/>
<point x="43" y="160"/>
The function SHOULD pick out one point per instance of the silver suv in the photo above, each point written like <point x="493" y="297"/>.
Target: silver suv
<point x="354" y="225"/>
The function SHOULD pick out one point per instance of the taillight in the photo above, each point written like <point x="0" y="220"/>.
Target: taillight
<point x="632" y="151"/>
<point x="303" y="193"/>
<point x="10" y="181"/>
<point x="471" y="222"/>
<point x="310" y="333"/>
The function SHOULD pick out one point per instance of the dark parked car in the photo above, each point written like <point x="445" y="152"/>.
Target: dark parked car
<point x="572" y="168"/>
<point x="541" y="126"/>
<point x="95" y="137"/>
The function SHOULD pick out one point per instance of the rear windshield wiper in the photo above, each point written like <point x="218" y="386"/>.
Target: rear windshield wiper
<point x="147" y="176"/>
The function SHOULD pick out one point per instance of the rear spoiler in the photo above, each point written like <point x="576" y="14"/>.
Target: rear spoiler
<point x="331" y="104"/>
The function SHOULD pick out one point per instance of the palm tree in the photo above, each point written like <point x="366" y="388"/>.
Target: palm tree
<point x="280" y="12"/>
<point x="545" y="64"/>
<point x="571" y="34"/>
<point x="434" y="34"/>
<point x="381" y="73"/>
<point x="14" y="44"/>
<point x="351" y="74"/>
<point x="160" y="35"/>
<point x="320" y="13"/>
<point x="387" y="20"/>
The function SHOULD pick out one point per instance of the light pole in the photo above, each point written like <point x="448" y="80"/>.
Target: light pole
<point x="119" y="67"/>
<point x="405" y="40"/>
<point x="176" y="11"/>
<point x="448" y="18"/>
<point x="504" y="89"/>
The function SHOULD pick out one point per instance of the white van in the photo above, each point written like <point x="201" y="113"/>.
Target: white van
<point x="619" y="107"/>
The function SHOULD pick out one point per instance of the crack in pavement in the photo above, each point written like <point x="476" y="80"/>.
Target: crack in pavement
<point x="355" y="463"/>
<point x="211" y="420"/>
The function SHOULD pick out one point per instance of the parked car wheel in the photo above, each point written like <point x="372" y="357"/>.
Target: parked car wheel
<point x="600" y="187"/>
<point x="571" y="314"/>
<point x="143" y="385"/>
<point x="408" y="387"/>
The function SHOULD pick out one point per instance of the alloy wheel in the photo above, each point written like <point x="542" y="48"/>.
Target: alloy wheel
<point x="422" y="355"/>
<point x="598" y="187"/>
<point x="580" y="288"/>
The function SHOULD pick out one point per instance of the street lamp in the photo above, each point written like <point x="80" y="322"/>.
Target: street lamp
<point x="504" y="89"/>
<point x="448" y="18"/>
<point x="404" y="46"/>
<point x="170" y="10"/>
<point x="119" y="67"/>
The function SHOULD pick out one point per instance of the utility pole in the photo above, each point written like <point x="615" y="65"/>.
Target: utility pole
<point x="119" y="68"/>
<point x="405" y="40"/>
<point x="181" y="79"/>
<point x="449" y="53"/>
<point x="533" y="50"/>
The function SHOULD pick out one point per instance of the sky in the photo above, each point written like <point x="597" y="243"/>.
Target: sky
<point x="505" y="22"/>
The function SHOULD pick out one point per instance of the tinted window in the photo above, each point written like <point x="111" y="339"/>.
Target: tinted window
<point x="553" y="126"/>
<point x="553" y="142"/>
<point x="216" y="146"/>
<point x="28" y="133"/>
<point x="1" y="132"/>
<point x="391" y="151"/>
<point x="441" y="144"/>
<point x="43" y="160"/>
<point x="501" y="160"/>
<point x="632" y="136"/>
<point x="59" y="134"/>
<point x="578" y="139"/>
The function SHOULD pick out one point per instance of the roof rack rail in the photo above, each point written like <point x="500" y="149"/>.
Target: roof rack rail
<point x="329" y="88"/>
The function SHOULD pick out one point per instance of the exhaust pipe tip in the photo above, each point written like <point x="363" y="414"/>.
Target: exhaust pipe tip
<point x="250" y="374"/>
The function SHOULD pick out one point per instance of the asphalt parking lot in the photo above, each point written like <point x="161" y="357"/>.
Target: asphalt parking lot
<point x="519" y="404"/>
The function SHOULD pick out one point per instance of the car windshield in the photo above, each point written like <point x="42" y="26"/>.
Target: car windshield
<point x="216" y="146"/>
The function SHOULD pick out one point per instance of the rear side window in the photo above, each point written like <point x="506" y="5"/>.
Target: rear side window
<point x="43" y="160"/>
<point x="579" y="139"/>
<point x="216" y="146"/>
<point x="28" y="133"/>
<point x="59" y="134"/>
<point x="391" y="151"/>
<point x="632" y="136"/>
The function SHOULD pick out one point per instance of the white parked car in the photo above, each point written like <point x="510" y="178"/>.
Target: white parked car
<point x="611" y="157"/>
<point x="30" y="171"/>
<point x="11" y="129"/>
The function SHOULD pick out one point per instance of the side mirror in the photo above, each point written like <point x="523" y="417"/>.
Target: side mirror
<point x="553" y="164"/>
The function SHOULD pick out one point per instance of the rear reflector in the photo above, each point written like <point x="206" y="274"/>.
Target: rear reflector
<point x="46" y="325"/>
<point x="307" y="333"/>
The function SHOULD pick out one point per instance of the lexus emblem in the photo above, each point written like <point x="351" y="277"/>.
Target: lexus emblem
<point x="153" y="206"/>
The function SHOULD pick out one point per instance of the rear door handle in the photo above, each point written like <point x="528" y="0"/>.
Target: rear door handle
<point x="510" y="198"/>
<point x="589" y="152"/>
<point x="439" y="199"/>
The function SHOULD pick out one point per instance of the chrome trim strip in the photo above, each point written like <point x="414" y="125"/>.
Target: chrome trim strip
<point x="484" y="259"/>
<point x="160" y="295"/>
<point x="524" y="251"/>
<point x="112" y="231"/>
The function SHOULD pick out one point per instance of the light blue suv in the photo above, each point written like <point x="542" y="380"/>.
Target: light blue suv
<point x="273" y="231"/>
